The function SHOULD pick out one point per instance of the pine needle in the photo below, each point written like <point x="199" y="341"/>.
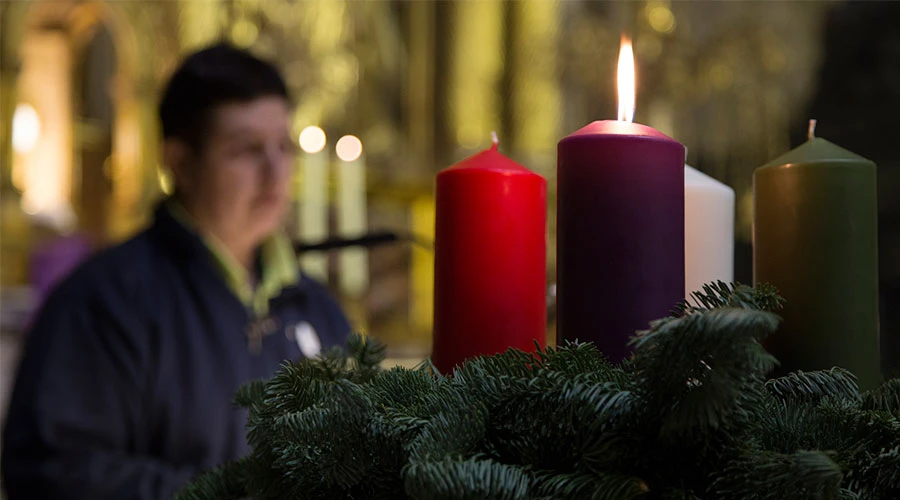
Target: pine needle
<point x="689" y="416"/>
<point x="836" y="382"/>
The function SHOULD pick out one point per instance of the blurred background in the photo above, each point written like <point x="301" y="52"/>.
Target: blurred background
<point x="418" y="85"/>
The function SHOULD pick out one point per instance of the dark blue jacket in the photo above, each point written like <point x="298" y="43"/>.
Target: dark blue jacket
<point x="125" y="388"/>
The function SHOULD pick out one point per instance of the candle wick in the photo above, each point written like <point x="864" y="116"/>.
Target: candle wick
<point x="494" y="138"/>
<point x="812" y="129"/>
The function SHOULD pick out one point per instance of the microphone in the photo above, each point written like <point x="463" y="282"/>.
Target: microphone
<point x="366" y="240"/>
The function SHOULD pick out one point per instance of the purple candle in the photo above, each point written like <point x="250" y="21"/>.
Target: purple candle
<point x="620" y="231"/>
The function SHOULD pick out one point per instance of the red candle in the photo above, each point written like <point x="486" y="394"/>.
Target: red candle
<point x="490" y="259"/>
<point x="620" y="232"/>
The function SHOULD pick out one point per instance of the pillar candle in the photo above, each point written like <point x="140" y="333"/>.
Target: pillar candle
<point x="620" y="232"/>
<point x="708" y="231"/>
<point x="353" y="220"/>
<point x="490" y="251"/>
<point x="352" y="216"/>
<point x="313" y="219"/>
<point x="815" y="240"/>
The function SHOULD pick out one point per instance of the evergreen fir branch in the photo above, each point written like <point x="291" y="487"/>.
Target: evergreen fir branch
<point x="703" y="372"/>
<point x="802" y="475"/>
<point x="402" y="388"/>
<point x="367" y="353"/>
<point x="297" y="386"/>
<point x="689" y="415"/>
<point x="713" y="330"/>
<point x="223" y="483"/>
<point x="470" y="479"/>
<point x="603" y="404"/>
<point x="624" y="451"/>
<point x="678" y="494"/>
<point x="327" y="438"/>
<point x="579" y="360"/>
<point x="517" y="437"/>
<point x="831" y="424"/>
<point x="450" y="396"/>
<point x="573" y="386"/>
<point x="387" y="440"/>
<point x="788" y="427"/>
<point x="799" y="385"/>
<point x="315" y="429"/>
<point x="587" y="486"/>
<point x="332" y="364"/>
<point x="456" y="426"/>
<point x="428" y="366"/>
<point x="880" y="479"/>
<point x="550" y="485"/>
<point x="250" y="394"/>
<point x="511" y="363"/>
<point x="546" y="428"/>
<point x="712" y="296"/>
<point x="766" y="298"/>
<point x="493" y="379"/>
<point x="845" y="494"/>
<point x="862" y="431"/>
<point x="763" y="297"/>
<point x="885" y="397"/>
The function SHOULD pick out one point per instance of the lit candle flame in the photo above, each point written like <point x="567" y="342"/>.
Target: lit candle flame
<point x="626" y="79"/>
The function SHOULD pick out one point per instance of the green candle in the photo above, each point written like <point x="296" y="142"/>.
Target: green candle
<point x="815" y="239"/>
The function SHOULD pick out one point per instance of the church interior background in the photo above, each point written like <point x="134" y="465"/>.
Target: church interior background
<point x="422" y="84"/>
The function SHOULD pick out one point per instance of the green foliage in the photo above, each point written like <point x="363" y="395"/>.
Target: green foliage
<point x="731" y="295"/>
<point x="884" y="398"/>
<point x="836" y="382"/>
<point x="764" y="475"/>
<point x="690" y="416"/>
<point x="226" y="481"/>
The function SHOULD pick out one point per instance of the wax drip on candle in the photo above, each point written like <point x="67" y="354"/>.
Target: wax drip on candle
<point x="495" y="139"/>
<point x="812" y="130"/>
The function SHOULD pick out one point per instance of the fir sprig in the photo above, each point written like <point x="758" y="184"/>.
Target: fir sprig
<point x="836" y="382"/>
<point x="690" y="416"/>
<point x="763" y="297"/>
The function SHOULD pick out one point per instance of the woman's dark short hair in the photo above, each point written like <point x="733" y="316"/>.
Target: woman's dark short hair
<point x="218" y="75"/>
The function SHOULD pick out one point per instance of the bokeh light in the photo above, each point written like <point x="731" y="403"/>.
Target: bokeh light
<point x="312" y="139"/>
<point x="348" y="148"/>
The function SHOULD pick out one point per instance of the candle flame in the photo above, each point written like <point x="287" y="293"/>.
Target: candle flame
<point x="626" y="80"/>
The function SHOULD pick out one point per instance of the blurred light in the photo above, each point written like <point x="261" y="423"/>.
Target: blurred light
<point x="341" y="71"/>
<point x="649" y="48"/>
<point x="721" y="76"/>
<point x="244" y="33"/>
<point x="626" y="80"/>
<point x="348" y="148"/>
<point x="661" y="117"/>
<point x="661" y="19"/>
<point x="312" y="139"/>
<point x="166" y="182"/>
<point x="469" y="135"/>
<point x="774" y="60"/>
<point x="26" y="128"/>
<point x="29" y="207"/>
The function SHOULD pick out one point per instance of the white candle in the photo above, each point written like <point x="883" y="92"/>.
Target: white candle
<point x="708" y="230"/>
<point x="352" y="214"/>
<point x="313" y="220"/>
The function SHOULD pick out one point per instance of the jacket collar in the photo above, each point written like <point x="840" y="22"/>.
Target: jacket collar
<point x="278" y="263"/>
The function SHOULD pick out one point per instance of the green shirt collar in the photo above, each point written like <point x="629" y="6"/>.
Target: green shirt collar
<point x="279" y="265"/>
